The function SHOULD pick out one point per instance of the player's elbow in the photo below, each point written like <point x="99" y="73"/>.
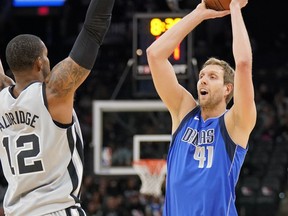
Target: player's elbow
<point x="244" y="65"/>
<point x="151" y="53"/>
<point x="154" y="57"/>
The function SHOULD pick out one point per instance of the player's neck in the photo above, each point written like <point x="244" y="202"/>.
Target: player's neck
<point x="20" y="85"/>
<point x="212" y="112"/>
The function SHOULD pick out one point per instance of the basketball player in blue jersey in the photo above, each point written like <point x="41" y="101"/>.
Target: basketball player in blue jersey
<point x="41" y="146"/>
<point x="209" y="142"/>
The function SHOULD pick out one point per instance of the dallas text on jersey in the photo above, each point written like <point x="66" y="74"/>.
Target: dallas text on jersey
<point x="17" y="117"/>
<point x="196" y="138"/>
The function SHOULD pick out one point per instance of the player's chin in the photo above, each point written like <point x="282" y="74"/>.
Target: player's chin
<point x="202" y="101"/>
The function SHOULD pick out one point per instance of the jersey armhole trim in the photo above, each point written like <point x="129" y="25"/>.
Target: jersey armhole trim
<point x="64" y="126"/>
<point x="188" y="116"/>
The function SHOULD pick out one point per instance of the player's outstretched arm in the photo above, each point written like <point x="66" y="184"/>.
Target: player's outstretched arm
<point x="4" y="79"/>
<point x="242" y="115"/>
<point x="68" y="75"/>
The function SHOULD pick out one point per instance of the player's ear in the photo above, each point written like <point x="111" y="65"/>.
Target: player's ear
<point x="229" y="88"/>
<point x="38" y="63"/>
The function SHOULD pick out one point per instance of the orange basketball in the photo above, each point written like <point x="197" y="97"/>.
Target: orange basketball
<point x="218" y="5"/>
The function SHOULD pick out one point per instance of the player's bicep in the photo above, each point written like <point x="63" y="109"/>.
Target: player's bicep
<point x="244" y="109"/>
<point x="65" y="78"/>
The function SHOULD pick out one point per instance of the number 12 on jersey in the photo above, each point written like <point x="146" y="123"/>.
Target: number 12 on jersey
<point x="26" y="159"/>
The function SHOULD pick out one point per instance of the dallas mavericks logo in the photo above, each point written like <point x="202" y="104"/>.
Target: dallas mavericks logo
<point x="197" y="138"/>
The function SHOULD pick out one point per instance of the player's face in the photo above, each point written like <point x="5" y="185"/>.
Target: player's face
<point x="211" y="86"/>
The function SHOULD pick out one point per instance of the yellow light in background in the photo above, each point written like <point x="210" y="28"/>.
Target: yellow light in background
<point x="157" y="26"/>
<point x="171" y="22"/>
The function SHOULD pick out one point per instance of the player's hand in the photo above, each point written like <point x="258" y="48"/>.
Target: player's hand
<point x="5" y="81"/>
<point x="210" y="13"/>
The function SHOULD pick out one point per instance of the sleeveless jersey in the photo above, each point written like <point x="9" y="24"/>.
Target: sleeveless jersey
<point x="42" y="162"/>
<point x="203" y="166"/>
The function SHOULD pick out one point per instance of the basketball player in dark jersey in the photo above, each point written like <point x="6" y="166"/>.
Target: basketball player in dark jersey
<point x="209" y="141"/>
<point x="41" y="145"/>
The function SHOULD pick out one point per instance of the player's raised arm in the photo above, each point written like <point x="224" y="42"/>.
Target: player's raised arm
<point x="177" y="99"/>
<point x="242" y="117"/>
<point x="68" y="75"/>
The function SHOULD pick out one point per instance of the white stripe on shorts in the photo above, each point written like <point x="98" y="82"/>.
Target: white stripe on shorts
<point x="72" y="211"/>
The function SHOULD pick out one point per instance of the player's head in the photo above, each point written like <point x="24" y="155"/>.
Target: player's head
<point x="228" y="73"/>
<point x="25" y="53"/>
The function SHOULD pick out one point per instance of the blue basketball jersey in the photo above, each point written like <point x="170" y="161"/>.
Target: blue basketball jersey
<point x="203" y="167"/>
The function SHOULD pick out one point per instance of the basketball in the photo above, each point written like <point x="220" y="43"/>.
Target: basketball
<point x="218" y="5"/>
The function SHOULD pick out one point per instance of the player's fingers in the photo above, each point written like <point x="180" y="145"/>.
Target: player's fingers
<point x="9" y="81"/>
<point x="5" y="81"/>
<point x="218" y="14"/>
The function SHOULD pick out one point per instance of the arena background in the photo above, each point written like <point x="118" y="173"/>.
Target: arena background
<point x="262" y="186"/>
